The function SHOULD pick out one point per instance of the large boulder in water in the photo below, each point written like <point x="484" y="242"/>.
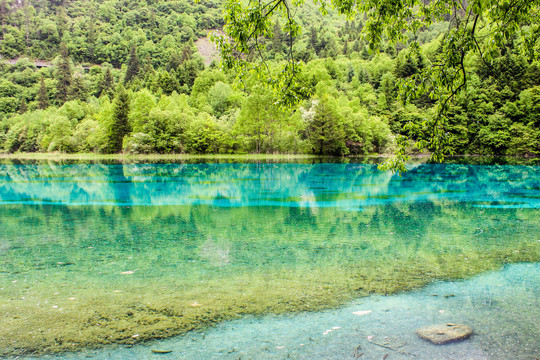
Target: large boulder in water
<point x="445" y="333"/>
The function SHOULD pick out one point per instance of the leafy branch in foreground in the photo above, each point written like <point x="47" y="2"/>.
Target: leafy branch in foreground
<point x="478" y="28"/>
<point x="242" y="47"/>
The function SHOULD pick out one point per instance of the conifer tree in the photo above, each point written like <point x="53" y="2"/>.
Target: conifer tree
<point x="78" y="88"/>
<point x="119" y="126"/>
<point x="187" y="51"/>
<point x="325" y="131"/>
<point x="43" y="96"/>
<point x="147" y="66"/>
<point x="61" y="21"/>
<point x="346" y="48"/>
<point x="168" y="82"/>
<point x="105" y="85"/>
<point x="133" y="66"/>
<point x="63" y="75"/>
<point x="350" y="73"/>
<point x="356" y="45"/>
<point x="174" y="62"/>
<point x="314" y="40"/>
<point x="187" y="73"/>
<point x="365" y="54"/>
<point x="23" y="108"/>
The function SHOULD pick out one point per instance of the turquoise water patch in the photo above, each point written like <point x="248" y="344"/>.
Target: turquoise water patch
<point x="298" y="185"/>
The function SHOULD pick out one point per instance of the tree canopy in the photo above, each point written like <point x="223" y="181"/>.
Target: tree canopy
<point x="481" y="28"/>
<point x="138" y="77"/>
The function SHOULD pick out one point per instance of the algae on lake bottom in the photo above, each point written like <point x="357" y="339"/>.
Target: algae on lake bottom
<point x="125" y="275"/>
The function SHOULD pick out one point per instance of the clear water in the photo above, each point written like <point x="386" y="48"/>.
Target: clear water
<point x="93" y="255"/>
<point x="504" y="307"/>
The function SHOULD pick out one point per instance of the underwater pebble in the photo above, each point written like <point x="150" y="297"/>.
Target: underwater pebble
<point x="336" y="328"/>
<point x="161" y="351"/>
<point x="362" y="312"/>
<point x="280" y="347"/>
<point x="72" y="298"/>
<point x="444" y="333"/>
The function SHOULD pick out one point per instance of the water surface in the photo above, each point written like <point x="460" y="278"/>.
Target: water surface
<point x="97" y="254"/>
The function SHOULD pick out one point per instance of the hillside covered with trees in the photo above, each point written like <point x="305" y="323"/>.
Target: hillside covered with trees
<point x="125" y="76"/>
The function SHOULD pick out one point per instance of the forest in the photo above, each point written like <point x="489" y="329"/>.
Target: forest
<point x="127" y="77"/>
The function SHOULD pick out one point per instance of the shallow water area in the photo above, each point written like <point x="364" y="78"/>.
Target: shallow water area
<point x="99" y="254"/>
<point x="501" y="306"/>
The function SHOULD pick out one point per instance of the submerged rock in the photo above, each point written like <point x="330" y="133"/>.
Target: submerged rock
<point x="155" y="351"/>
<point x="444" y="333"/>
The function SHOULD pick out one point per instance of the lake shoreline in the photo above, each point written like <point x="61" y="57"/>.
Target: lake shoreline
<point x="375" y="159"/>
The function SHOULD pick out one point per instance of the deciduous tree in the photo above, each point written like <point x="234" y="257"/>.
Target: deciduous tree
<point x="478" y="27"/>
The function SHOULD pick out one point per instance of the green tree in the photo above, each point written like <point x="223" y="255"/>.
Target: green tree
<point x="43" y="95"/>
<point x="119" y="126"/>
<point x="443" y="78"/>
<point x="167" y="83"/>
<point x="388" y="88"/>
<point x="90" y="39"/>
<point x="23" y="107"/>
<point x="63" y="75"/>
<point x="203" y="135"/>
<point x="219" y="98"/>
<point x="187" y="73"/>
<point x="277" y="41"/>
<point x="58" y="136"/>
<point x="79" y="88"/>
<point x="106" y="83"/>
<point x="324" y="128"/>
<point x="314" y="40"/>
<point x="259" y="121"/>
<point x="187" y="52"/>
<point x="133" y="65"/>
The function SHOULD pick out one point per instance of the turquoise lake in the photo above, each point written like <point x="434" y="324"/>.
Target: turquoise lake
<point x="100" y="260"/>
